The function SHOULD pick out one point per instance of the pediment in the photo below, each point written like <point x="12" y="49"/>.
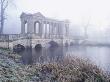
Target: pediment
<point x="39" y="15"/>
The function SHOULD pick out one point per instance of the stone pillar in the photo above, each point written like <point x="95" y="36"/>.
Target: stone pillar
<point x="58" y="30"/>
<point x="34" y="28"/>
<point x="45" y="29"/>
<point x="30" y="27"/>
<point x="62" y="26"/>
<point x="52" y="29"/>
<point x="22" y="27"/>
<point x="41" y="28"/>
<point x="55" y="30"/>
<point x="67" y="29"/>
<point x="49" y="29"/>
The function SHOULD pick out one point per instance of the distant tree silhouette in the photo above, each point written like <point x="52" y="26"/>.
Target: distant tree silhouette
<point x="3" y="6"/>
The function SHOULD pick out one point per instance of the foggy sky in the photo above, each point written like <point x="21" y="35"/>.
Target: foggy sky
<point x="77" y="11"/>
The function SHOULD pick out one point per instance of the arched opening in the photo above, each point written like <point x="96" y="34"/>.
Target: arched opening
<point x="36" y="27"/>
<point x="26" y="27"/>
<point x="47" y="28"/>
<point x="71" y="44"/>
<point x="53" y="44"/>
<point x="38" y="47"/>
<point x="18" y="48"/>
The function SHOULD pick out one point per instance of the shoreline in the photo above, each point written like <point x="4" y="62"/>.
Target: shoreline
<point x="74" y="69"/>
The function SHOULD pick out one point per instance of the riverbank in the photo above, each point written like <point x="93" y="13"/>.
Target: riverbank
<point x="69" y="70"/>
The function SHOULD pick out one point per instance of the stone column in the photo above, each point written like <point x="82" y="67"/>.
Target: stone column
<point x="50" y="29"/>
<point x="67" y="30"/>
<point x="22" y="27"/>
<point x="45" y="29"/>
<point x="58" y="30"/>
<point x="54" y="28"/>
<point x="30" y="27"/>
<point x="62" y="29"/>
<point x="41" y="28"/>
<point x="34" y="28"/>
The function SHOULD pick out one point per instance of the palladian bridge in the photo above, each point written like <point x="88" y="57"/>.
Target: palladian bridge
<point x="36" y="30"/>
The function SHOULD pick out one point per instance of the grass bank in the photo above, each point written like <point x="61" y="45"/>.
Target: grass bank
<point x="71" y="69"/>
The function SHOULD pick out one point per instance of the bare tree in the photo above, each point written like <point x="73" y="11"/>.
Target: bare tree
<point x="3" y="5"/>
<point x="86" y="27"/>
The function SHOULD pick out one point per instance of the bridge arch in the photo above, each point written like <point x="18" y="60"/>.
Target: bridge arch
<point x="53" y="44"/>
<point x="38" y="46"/>
<point x="18" y="48"/>
<point x="66" y="44"/>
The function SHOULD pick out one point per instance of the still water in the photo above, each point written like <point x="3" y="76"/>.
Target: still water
<point x="98" y="55"/>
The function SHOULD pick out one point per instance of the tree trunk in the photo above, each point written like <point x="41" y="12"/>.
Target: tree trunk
<point x="2" y="19"/>
<point x="3" y="5"/>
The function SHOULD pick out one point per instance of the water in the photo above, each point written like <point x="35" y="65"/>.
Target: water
<point x="44" y="55"/>
<point x="98" y="55"/>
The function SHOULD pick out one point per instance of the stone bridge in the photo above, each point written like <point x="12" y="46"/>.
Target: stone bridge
<point x="31" y="40"/>
<point x="37" y="29"/>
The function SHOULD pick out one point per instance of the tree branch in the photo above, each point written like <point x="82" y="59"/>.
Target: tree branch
<point x="5" y="5"/>
<point x="2" y="1"/>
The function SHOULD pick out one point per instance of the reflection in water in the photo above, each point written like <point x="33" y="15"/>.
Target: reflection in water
<point x="27" y="56"/>
<point x="99" y="55"/>
<point x="42" y="55"/>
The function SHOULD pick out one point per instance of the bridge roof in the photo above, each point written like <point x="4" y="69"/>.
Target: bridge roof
<point x="38" y="14"/>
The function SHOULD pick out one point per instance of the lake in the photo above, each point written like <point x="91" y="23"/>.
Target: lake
<point x="98" y="55"/>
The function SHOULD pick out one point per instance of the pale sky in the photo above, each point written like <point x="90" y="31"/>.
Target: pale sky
<point x="77" y="11"/>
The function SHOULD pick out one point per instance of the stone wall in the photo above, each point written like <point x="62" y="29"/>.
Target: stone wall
<point x="4" y="45"/>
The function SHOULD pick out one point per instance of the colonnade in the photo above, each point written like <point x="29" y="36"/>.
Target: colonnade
<point x="42" y="26"/>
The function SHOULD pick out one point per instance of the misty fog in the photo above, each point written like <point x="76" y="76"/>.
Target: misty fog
<point x="78" y="12"/>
